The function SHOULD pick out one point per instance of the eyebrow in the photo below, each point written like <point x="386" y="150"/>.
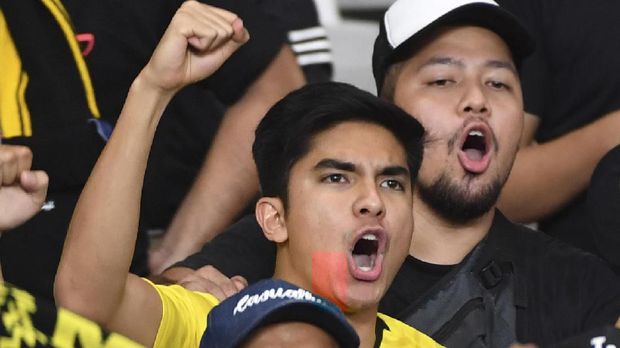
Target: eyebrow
<point x="395" y="171"/>
<point x="493" y="63"/>
<point x="502" y="64"/>
<point x="335" y="164"/>
<point x="350" y="167"/>
<point x="442" y="61"/>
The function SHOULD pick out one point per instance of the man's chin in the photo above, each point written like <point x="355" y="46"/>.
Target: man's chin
<point x="362" y="296"/>
<point x="463" y="201"/>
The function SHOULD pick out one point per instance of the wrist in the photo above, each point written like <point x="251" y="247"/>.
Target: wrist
<point x="145" y="83"/>
<point x="146" y="99"/>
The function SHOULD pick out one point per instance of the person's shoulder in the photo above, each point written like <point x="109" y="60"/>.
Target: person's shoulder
<point x="398" y="334"/>
<point x="538" y="257"/>
<point x="180" y="294"/>
<point x="543" y="247"/>
<point x="529" y="245"/>
<point x="184" y="314"/>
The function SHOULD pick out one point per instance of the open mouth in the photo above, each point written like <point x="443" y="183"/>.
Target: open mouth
<point x="475" y="149"/>
<point x="366" y="258"/>
<point x="475" y="146"/>
<point x="365" y="252"/>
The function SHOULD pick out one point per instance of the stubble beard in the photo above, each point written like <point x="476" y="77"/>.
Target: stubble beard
<point x="455" y="202"/>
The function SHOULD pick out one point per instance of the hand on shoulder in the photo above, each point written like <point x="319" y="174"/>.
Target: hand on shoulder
<point x="209" y="279"/>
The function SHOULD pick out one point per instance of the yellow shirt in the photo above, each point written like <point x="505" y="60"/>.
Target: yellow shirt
<point x="184" y="320"/>
<point x="184" y="316"/>
<point x="399" y="334"/>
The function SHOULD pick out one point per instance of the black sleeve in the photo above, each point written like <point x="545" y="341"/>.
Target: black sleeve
<point x="240" y="250"/>
<point x="599" y="300"/>
<point x="307" y="38"/>
<point x="584" y="290"/>
<point x="603" y="204"/>
<point x="244" y="66"/>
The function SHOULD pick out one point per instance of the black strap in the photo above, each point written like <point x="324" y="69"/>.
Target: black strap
<point x="493" y="273"/>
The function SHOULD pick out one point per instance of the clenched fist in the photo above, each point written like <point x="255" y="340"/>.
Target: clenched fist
<point x="22" y="191"/>
<point x="199" y="39"/>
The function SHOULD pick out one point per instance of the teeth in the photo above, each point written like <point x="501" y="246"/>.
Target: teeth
<point x="365" y="269"/>
<point x="476" y="133"/>
<point x="369" y="237"/>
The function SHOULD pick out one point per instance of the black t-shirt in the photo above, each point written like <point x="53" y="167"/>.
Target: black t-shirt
<point x="414" y="278"/>
<point x="566" y="290"/>
<point x="127" y="32"/>
<point x="55" y="104"/>
<point x="117" y="38"/>
<point x="572" y="79"/>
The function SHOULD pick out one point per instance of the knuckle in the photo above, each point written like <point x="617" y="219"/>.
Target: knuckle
<point x="9" y="156"/>
<point x="239" y="280"/>
<point x="23" y="152"/>
<point x="208" y="270"/>
<point x="211" y="33"/>
<point x="189" y="4"/>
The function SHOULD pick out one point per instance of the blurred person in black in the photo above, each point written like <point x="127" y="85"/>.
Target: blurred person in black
<point x="27" y="321"/>
<point x="571" y="91"/>
<point x="67" y="99"/>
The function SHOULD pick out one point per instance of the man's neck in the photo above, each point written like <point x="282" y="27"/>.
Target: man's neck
<point x="364" y="322"/>
<point x="439" y="241"/>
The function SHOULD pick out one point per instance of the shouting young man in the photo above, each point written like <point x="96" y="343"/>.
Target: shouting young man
<point x="473" y="278"/>
<point x="338" y="206"/>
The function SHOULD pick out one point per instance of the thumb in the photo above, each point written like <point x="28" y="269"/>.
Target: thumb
<point x="35" y="182"/>
<point x="239" y="282"/>
<point x="240" y="33"/>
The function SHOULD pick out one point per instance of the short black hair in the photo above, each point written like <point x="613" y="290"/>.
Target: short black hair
<point x="285" y="133"/>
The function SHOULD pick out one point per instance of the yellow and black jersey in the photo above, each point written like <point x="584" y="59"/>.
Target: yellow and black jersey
<point x="28" y="322"/>
<point x="47" y="101"/>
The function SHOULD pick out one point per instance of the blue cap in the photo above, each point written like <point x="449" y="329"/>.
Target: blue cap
<point x="268" y="302"/>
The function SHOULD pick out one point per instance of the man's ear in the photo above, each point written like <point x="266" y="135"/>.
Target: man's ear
<point x="270" y="217"/>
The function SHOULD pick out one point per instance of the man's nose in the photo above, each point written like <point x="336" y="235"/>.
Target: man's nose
<point x="474" y="101"/>
<point x="369" y="202"/>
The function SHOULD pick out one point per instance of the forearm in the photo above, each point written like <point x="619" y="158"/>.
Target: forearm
<point x="240" y="250"/>
<point x="546" y="177"/>
<point x="93" y="276"/>
<point x="95" y="263"/>
<point x="224" y="186"/>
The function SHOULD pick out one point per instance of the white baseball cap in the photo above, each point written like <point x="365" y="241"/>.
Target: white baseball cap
<point x="407" y="22"/>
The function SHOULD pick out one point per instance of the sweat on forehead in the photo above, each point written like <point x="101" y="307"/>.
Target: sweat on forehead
<point x="285" y="133"/>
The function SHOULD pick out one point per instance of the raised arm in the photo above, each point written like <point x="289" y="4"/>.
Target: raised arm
<point x="93" y="277"/>
<point x="228" y="180"/>
<point x="545" y="177"/>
